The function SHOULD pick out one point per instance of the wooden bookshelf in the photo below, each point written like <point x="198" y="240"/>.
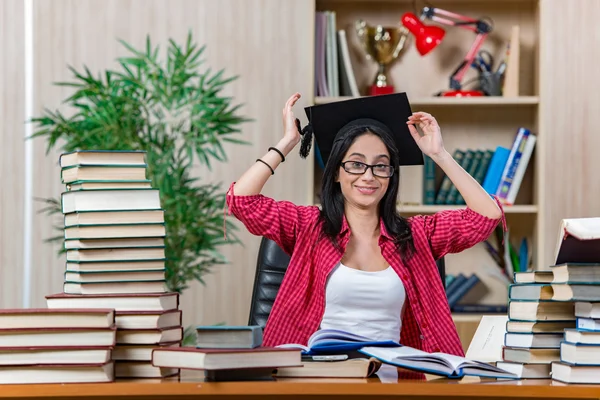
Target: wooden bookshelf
<point x="467" y="123"/>
<point x="456" y="102"/>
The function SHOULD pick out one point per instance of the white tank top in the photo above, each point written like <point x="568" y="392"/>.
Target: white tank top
<point x="364" y="302"/>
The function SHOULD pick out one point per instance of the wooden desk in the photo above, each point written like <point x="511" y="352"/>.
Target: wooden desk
<point x="190" y="386"/>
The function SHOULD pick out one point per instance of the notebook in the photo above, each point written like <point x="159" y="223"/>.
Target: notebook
<point x="447" y="365"/>
<point x="332" y="341"/>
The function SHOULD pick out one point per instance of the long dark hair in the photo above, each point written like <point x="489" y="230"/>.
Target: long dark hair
<point x="332" y="200"/>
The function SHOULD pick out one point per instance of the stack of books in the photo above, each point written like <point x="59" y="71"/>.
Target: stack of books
<point x="115" y="254"/>
<point x="56" y="346"/>
<point x="550" y="312"/>
<point x="578" y="271"/>
<point x="228" y="353"/>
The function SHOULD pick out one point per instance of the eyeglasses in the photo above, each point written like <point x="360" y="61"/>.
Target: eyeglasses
<point x="359" y="168"/>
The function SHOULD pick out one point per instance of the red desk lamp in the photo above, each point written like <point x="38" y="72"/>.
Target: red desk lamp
<point x="428" y="37"/>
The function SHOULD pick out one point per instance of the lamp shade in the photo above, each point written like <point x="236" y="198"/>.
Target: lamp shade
<point x="426" y="37"/>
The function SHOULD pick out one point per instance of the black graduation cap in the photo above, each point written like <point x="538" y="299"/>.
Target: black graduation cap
<point x="391" y="110"/>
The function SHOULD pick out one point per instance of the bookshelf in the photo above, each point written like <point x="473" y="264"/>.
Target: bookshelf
<point x="467" y="123"/>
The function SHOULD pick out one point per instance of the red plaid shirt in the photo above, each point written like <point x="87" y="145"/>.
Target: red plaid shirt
<point x="298" y="309"/>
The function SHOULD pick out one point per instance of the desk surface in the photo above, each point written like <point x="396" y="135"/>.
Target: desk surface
<point x="192" y="384"/>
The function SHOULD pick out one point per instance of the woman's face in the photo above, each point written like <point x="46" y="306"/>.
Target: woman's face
<point x="365" y="190"/>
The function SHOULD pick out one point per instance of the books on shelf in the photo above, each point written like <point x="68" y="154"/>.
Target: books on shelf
<point x="334" y="75"/>
<point x="499" y="171"/>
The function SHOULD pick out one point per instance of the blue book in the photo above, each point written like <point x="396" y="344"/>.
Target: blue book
<point x="462" y="290"/>
<point x="494" y="172"/>
<point x="510" y="167"/>
<point x="443" y="364"/>
<point x="228" y="336"/>
<point x="333" y="341"/>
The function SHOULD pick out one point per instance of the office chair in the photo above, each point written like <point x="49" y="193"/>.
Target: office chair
<point x="270" y="267"/>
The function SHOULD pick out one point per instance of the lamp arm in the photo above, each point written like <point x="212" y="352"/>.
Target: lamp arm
<point x="458" y="75"/>
<point x="453" y="19"/>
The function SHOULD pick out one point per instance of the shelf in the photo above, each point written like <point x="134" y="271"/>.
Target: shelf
<point x="425" y="209"/>
<point x="454" y="101"/>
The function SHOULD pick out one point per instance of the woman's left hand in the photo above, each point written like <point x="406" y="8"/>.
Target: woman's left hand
<point x="431" y="142"/>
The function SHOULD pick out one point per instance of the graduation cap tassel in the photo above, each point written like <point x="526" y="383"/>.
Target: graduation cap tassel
<point x="306" y="134"/>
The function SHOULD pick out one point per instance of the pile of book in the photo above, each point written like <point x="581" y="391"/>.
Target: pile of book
<point x="60" y="345"/>
<point x="553" y="330"/>
<point x="500" y="172"/>
<point x="115" y="255"/>
<point x="227" y="353"/>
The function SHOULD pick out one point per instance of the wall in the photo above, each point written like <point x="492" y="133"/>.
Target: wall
<point x="569" y="104"/>
<point x="12" y="151"/>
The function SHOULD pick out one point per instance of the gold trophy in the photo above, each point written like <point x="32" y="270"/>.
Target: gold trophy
<point x="382" y="44"/>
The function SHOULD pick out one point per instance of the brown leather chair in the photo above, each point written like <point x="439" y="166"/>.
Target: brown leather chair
<point x="271" y="266"/>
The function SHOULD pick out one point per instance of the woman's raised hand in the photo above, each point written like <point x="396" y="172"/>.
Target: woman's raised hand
<point x="290" y="129"/>
<point x="431" y="142"/>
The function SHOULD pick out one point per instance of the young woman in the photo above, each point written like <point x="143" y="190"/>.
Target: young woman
<point x="356" y="265"/>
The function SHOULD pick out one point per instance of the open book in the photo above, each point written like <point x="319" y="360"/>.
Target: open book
<point x="330" y="341"/>
<point x="447" y="365"/>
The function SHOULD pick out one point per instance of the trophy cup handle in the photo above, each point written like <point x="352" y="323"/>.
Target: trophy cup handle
<point x="361" y="26"/>
<point x="404" y="36"/>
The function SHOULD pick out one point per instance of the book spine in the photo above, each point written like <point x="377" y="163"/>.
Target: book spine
<point x="466" y="163"/>
<point x="473" y="168"/>
<point x="428" y="181"/>
<point x="520" y="172"/>
<point x="512" y="164"/>
<point x="462" y="290"/>
<point x="494" y="172"/>
<point x="446" y="182"/>
<point x="480" y="308"/>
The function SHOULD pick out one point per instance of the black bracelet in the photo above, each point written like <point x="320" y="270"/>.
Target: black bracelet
<point x="272" y="172"/>
<point x="280" y="153"/>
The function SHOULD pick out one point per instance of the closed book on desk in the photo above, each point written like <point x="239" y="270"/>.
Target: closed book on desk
<point x="225" y="359"/>
<point x="331" y="341"/>
<point x="447" y="365"/>
<point x="571" y="373"/>
<point x="123" y="287"/>
<point x="529" y="355"/>
<point x="527" y="371"/>
<point x="119" y="302"/>
<point x="352" y="368"/>
<point x="228" y="337"/>
<point x="541" y="311"/>
<point x="28" y="374"/>
<point x="102" y="157"/>
<point x="149" y="336"/>
<point x="20" y="318"/>
<point x="58" y="355"/>
<point x="54" y="337"/>
<point x="148" y="319"/>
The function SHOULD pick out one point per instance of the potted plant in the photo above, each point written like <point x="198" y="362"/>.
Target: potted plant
<point x="177" y="114"/>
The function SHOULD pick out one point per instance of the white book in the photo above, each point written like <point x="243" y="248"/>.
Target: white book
<point x="347" y="79"/>
<point x="521" y="168"/>
<point x="56" y="374"/>
<point x="109" y="200"/>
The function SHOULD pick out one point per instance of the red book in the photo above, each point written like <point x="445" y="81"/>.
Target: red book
<point x="219" y="359"/>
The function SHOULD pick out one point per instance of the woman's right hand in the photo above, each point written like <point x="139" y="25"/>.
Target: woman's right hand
<point x="290" y="130"/>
